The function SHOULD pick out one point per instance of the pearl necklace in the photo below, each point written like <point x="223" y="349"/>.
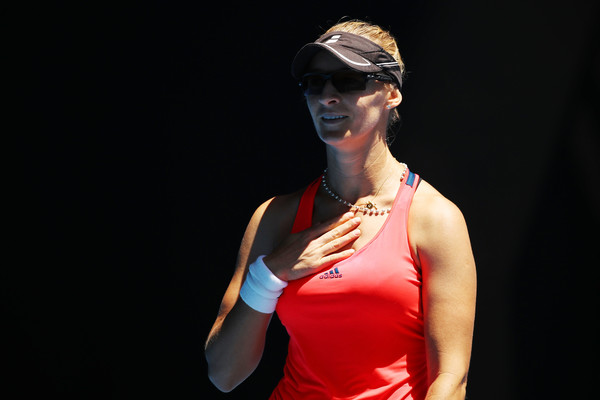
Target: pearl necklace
<point x="370" y="208"/>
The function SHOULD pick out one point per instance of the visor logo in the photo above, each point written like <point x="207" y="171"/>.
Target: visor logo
<point x="334" y="39"/>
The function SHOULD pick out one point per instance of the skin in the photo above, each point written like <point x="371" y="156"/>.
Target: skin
<point x="360" y="169"/>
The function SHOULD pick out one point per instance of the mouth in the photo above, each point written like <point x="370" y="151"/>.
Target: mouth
<point x="333" y="118"/>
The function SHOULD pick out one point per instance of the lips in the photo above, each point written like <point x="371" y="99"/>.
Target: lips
<point x="333" y="117"/>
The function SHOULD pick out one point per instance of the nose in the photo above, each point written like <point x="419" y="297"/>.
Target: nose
<point x="329" y="95"/>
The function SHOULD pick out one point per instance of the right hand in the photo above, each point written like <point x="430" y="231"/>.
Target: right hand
<point x="314" y="249"/>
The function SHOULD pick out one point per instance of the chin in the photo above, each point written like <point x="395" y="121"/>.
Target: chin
<point x="339" y="135"/>
<point x="333" y="136"/>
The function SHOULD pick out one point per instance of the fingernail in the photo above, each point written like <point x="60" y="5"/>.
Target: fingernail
<point x="356" y="220"/>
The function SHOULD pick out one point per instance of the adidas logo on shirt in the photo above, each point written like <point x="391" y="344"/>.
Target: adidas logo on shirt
<point x="332" y="274"/>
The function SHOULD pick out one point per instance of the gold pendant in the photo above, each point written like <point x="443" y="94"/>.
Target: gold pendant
<point x="371" y="205"/>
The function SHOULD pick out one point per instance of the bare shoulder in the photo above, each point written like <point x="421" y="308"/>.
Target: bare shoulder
<point x="430" y="207"/>
<point x="435" y="223"/>
<point x="271" y="222"/>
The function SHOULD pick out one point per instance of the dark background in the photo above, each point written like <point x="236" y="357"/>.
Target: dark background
<point x="152" y="131"/>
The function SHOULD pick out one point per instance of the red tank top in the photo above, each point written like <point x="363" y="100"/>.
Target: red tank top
<point x="356" y="329"/>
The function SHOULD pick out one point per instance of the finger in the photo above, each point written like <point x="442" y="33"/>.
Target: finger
<point x="339" y="231"/>
<point x="334" y="258"/>
<point x="328" y="225"/>
<point x="339" y="243"/>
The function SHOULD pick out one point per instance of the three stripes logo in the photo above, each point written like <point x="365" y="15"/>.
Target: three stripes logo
<point x="332" y="274"/>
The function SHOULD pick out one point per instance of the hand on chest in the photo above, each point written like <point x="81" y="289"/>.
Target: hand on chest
<point x="369" y="227"/>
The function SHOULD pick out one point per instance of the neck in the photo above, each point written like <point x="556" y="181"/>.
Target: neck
<point x="360" y="173"/>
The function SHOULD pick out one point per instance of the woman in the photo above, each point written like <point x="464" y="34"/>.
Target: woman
<point x="370" y="269"/>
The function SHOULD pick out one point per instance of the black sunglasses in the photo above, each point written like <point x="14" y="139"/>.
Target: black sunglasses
<point x="344" y="81"/>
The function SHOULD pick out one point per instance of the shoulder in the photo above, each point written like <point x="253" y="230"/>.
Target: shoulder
<point x="278" y="212"/>
<point x="430" y="208"/>
<point x="271" y="222"/>
<point x="436" y="225"/>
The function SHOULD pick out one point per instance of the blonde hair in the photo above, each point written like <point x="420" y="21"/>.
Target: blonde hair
<point x="384" y="39"/>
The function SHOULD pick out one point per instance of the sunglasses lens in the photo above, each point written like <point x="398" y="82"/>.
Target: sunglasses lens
<point x="313" y="84"/>
<point x="348" y="81"/>
<point x="343" y="81"/>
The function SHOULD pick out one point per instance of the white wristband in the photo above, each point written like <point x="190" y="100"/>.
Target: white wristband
<point x="261" y="288"/>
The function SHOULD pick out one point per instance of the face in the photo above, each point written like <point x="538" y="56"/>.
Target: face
<point x="356" y="115"/>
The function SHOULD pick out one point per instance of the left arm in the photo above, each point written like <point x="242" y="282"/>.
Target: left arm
<point x="443" y="251"/>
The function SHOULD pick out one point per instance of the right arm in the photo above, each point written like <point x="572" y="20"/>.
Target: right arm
<point x="230" y="359"/>
<point x="236" y="341"/>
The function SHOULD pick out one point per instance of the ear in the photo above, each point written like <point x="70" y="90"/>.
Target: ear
<point x="394" y="98"/>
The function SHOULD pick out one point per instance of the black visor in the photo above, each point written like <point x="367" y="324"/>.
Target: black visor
<point x="356" y="52"/>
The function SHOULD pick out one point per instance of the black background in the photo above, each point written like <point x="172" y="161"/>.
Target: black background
<point x="152" y="131"/>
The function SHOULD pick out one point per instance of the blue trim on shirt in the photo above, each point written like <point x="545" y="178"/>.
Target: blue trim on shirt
<point x="411" y="179"/>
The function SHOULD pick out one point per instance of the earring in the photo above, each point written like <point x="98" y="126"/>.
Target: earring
<point x="389" y="107"/>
